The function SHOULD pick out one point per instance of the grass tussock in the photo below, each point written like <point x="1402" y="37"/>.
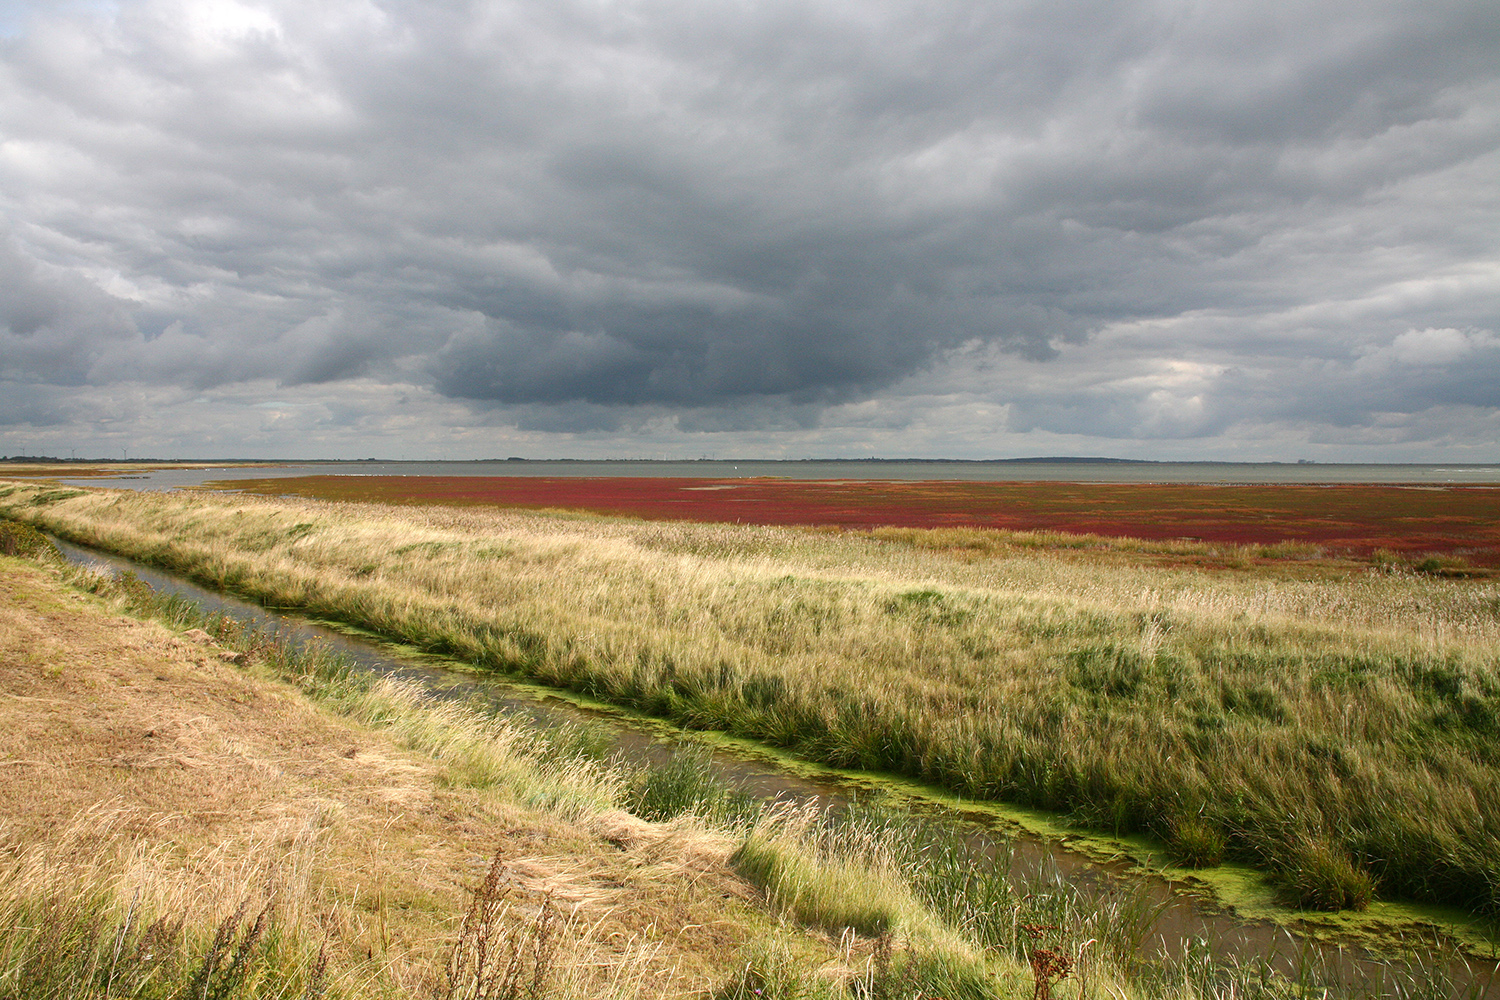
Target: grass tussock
<point x="1197" y="843"/>
<point x="818" y="885"/>
<point x="687" y="785"/>
<point x="1362" y="709"/>
<point x="1321" y="876"/>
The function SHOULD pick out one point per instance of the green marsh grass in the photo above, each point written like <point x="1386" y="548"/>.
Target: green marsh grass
<point x="1361" y="711"/>
<point x="687" y="784"/>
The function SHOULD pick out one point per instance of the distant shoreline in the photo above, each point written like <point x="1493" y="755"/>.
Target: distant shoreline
<point x="1043" y="460"/>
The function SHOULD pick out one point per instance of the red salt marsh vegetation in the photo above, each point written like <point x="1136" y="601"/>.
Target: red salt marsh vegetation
<point x="1452" y="523"/>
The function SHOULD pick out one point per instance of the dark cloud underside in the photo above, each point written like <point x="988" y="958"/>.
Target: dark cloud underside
<point x="1157" y="220"/>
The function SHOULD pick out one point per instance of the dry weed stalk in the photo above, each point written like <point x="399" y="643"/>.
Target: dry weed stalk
<point x="493" y="959"/>
<point x="215" y="978"/>
<point x="1049" y="966"/>
<point x="880" y="966"/>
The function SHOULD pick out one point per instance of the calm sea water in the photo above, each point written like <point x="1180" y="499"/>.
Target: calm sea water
<point x="1066" y="471"/>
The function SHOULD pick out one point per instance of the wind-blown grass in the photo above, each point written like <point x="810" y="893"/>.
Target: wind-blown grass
<point x="919" y="909"/>
<point x="1266" y="713"/>
<point x="126" y="923"/>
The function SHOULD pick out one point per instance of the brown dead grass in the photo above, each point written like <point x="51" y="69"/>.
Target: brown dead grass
<point x="143" y="736"/>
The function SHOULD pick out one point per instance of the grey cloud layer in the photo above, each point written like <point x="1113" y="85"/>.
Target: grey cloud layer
<point x="575" y="210"/>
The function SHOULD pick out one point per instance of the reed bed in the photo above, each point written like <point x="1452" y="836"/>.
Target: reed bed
<point x="1339" y="731"/>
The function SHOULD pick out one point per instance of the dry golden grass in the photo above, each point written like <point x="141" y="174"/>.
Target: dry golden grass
<point x="365" y="831"/>
<point x="143" y="771"/>
<point x="1347" y="716"/>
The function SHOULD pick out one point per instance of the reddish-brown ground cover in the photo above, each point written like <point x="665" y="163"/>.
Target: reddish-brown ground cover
<point x="1360" y="519"/>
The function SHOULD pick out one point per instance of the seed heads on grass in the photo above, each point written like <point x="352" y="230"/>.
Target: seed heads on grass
<point x="238" y="943"/>
<point x="317" y="975"/>
<point x="70" y="945"/>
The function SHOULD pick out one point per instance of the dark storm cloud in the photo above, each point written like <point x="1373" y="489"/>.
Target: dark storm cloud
<point x="28" y="404"/>
<point x="586" y="212"/>
<point x="52" y="324"/>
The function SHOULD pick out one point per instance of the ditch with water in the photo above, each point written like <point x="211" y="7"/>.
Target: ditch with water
<point x="1379" y="954"/>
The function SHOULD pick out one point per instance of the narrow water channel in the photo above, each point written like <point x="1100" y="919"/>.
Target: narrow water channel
<point x="1185" y="918"/>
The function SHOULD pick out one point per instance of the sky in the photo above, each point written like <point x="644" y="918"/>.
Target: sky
<point x="457" y="229"/>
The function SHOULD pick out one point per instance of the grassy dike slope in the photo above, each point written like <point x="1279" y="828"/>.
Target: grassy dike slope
<point x="1340" y="730"/>
<point x="149" y="784"/>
